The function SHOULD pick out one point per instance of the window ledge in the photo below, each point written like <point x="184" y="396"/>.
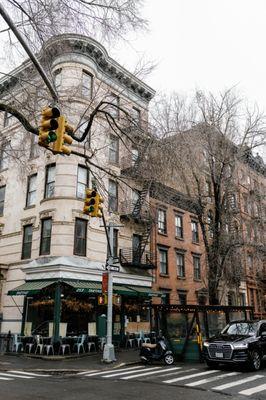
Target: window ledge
<point x="181" y="277"/>
<point x="163" y="234"/>
<point x="196" y="280"/>
<point x="197" y="243"/>
<point x="180" y="238"/>
<point x="164" y="275"/>
<point x="29" y="207"/>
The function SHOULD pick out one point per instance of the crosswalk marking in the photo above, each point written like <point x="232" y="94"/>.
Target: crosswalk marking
<point x="129" y="372"/>
<point x="180" y="372"/>
<point x="87" y="372"/>
<point x="6" y="379"/>
<point x="182" y="378"/>
<point x="253" y="390"/>
<point x="27" y="373"/>
<point x="211" y="379"/>
<point x="148" y="373"/>
<point x="120" y="370"/>
<point x="15" y="375"/>
<point x="239" y="382"/>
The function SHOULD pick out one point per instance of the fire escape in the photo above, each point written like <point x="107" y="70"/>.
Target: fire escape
<point x="138" y="213"/>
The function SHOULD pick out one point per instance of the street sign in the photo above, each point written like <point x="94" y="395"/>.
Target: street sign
<point x="110" y="266"/>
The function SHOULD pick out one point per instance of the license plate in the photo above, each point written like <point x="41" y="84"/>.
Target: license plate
<point x="219" y="355"/>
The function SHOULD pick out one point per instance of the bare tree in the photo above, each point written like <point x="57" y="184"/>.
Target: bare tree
<point x="197" y="148"/>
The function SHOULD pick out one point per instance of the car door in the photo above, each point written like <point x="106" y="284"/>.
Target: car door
<point x="263" y="339"/>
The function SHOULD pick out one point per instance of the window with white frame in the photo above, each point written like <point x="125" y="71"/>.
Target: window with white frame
<point x="82" y="181"/>
<point x="49" y="181"/>
<point x="31" y="190"/>
<point x="179" y="226"/>
<point x="114" y="149"/>
<point x="27" y="242"/>
<point x="46" y="234"/>
<point x="86" y="84"/>
<point x="163" y="260"/>
<point x="197" y="267"/>
<point x="162" y="221"/>
<point x="180" y="265"/>
<point x="195" y="231"/>
<point x="112" y="108"/>
<point x="112" y="196"/>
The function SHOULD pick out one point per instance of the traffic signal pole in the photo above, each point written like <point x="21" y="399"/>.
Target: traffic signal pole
<point x="109" y="351"/>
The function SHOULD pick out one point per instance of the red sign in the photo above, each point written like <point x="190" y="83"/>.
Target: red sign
<point x="105" y="282"/>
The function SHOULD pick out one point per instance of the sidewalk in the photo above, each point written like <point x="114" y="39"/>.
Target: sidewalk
<point x="59" y="365"/>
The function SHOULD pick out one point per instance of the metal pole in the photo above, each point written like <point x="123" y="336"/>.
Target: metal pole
<point x="109" y="353"/>
<point x="29" y="52"/>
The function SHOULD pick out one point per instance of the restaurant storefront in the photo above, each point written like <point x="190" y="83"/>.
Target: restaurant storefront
<point x="67" y="307"/>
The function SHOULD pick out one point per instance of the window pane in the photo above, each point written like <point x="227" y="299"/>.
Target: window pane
<point x="161" y="221"/>
<point x="196" y="264"/>
<point x="163" y="261"/>
<point x="82" y="182"/>
<point x="179" y="226"/>
<point x="31" y="195"/>
<point x="27" y="242"/>
<point x="50" y="181"/>
<point x="46" y="236"/>
<point x="86" y="84"/>
<point x="112" y="196"/>
<point x="80" y="240"/>
<point x="113" y="150"/>
<point x="180" y="265"/>
<point x="112" y="109"/>
<point x="2" y="199"/>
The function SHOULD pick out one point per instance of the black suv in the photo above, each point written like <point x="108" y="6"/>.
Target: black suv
<point x="240" y="343"/>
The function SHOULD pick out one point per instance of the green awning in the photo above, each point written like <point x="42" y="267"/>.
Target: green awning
<point x="85" y="286"/>
<point x="31" y="287"/>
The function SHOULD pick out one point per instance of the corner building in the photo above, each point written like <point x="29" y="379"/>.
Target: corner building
<point x="52" y="256"/>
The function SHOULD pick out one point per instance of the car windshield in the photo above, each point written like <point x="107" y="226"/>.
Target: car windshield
<point x="241" y="328"/>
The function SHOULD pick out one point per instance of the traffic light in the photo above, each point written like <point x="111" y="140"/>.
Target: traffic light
<point x="93" y="206"/>
<point x="102" y="300"/>
<point x="62" y="136"/>
<point x="48" y="126"/>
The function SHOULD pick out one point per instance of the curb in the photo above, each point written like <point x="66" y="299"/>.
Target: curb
<point x="70" y="371"/>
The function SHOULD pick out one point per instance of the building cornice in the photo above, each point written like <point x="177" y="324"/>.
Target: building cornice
<point x="74" y="43"/>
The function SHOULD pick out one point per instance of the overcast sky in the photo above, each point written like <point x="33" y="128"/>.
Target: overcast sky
<point x="204" y="44"/>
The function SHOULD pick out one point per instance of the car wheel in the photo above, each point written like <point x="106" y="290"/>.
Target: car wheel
<point x="255" y="360"/>
<point x="169" y="359"/>
<point x="211" y="364"/>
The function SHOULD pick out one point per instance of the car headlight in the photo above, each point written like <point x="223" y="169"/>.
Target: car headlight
<point x="240" y="346"/>
<point x="206" y="344"/>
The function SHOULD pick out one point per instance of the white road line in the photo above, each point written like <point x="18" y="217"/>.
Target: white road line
<point x="15" y="375"/>
<point x="213" y="378"/>
<point x="6" y="379"/>
<point x="255" y="389"/>
<point x="120" y="370"/>
<point x="87" y="372"/>
<point x="27" y="373"/>
<point x="129" y="372"/>
<point x="148" y="373"/>
<point x="182" y="378"/>
<point x="239" y="382"/>
<point x="180" y="372"/>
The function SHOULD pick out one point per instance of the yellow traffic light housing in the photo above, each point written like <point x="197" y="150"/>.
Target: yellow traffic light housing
<point x="62" y="137"/>
<point x="48" y="126"/>
<point x="93" y="206"/>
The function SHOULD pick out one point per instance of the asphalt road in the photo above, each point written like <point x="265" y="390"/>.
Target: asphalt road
<point x="136" y="382"/>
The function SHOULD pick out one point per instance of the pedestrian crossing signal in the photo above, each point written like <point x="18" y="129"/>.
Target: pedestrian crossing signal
<point x="102" y="300"/>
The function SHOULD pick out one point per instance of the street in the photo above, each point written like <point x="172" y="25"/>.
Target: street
<point x="128" y="382"/>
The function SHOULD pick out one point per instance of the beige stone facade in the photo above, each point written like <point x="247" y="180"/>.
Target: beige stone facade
<point x="71" y="57"/>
